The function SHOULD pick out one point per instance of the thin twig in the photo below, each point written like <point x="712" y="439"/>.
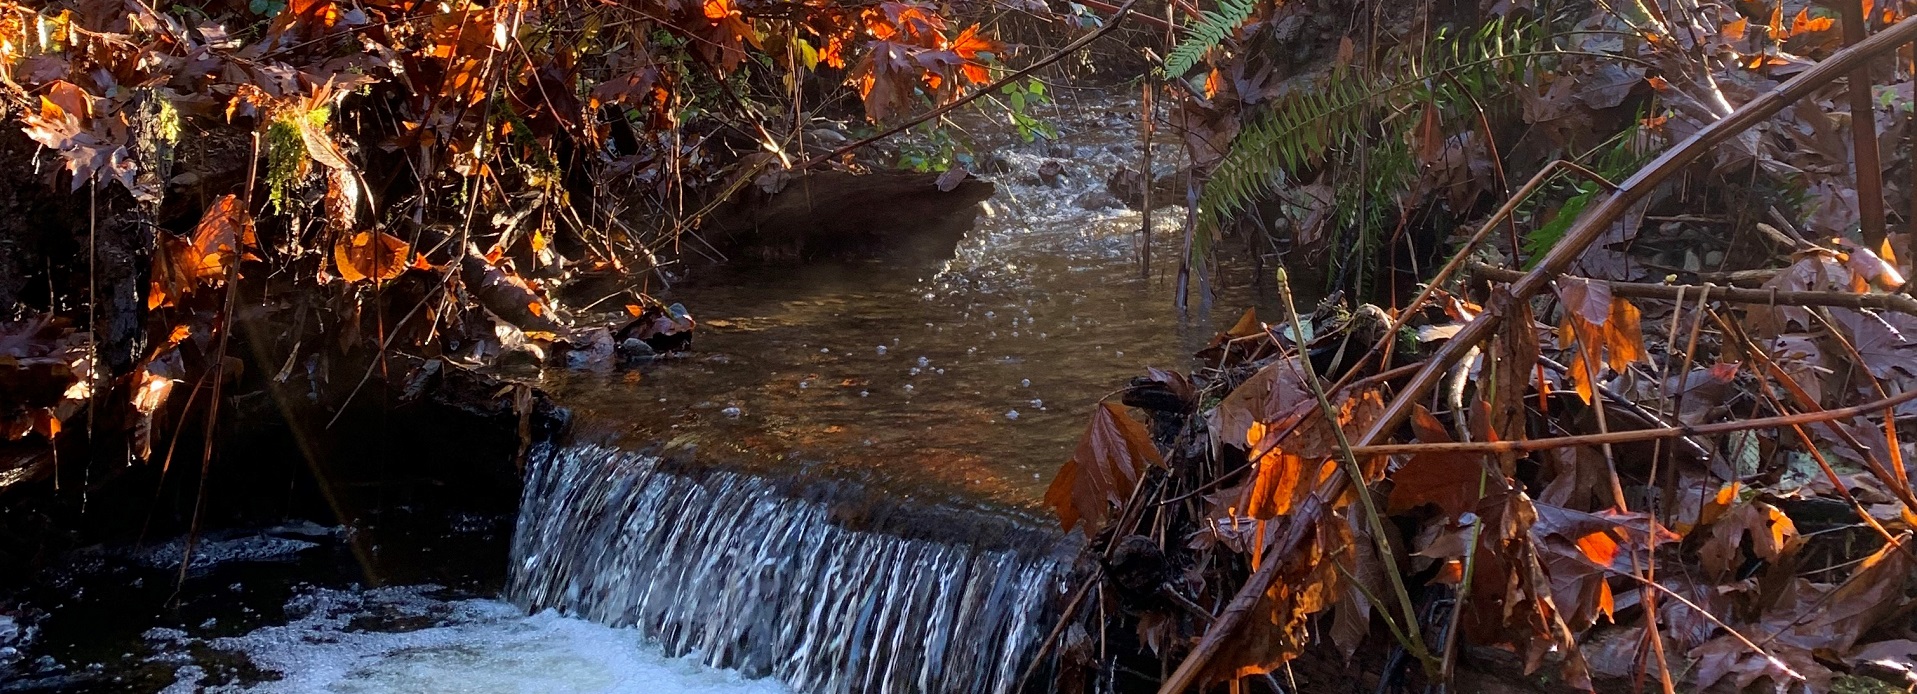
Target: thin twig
<point x="1529" y="445"/>
<point x="1901" y="303"/>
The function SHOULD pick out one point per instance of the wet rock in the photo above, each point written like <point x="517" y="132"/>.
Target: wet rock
<point x="635" y="350"/>
<point x="838" y="215"/>
<point x="1137" y="566"/>
<point x="1050" y="172"/>
<point x="664" y="329"/>
<point x="1096" y="200"/>
<point x="1128" y="187"/>
<point x="1059" y="150"/>
<point x="993" y="163"/>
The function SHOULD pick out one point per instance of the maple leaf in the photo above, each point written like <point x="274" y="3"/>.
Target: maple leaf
<point x="1581" y="550"/>
<point x="1276" y="628"/>
<point x="1110" y="459"/>
<point x="1867" y="268"/>
<point x="974" y="49"/>
<point x="1273" y="395"/>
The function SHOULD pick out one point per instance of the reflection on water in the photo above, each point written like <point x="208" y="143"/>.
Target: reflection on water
<point x="971" y="377"/>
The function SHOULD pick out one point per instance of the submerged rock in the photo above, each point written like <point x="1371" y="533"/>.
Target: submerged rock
<point x="837" y="215"/>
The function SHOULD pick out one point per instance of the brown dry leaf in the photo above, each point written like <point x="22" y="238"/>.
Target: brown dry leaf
<point x="1283" y="481"/>
<point x="1274" y="394"/>
<point x="370" y="255"/>
<point x="1277" y="628"/>
<point x="1887" y="342"/>
<point x="1809" y="271"/>
<point x="1868" y="268"/>
<point x="1513" y="361"/>
<point x="1771" y="532"/>
<point x="1604" y="328"/>
<point x="1111" y="457"/>
<point x="1821" y="618"/>
<point x="1582" y="550"/>
<point x="1365" y="576"/>
<point x="1802" y="357"/>
<point x="1454" y="482"/>
<point x="1726" y="655"/>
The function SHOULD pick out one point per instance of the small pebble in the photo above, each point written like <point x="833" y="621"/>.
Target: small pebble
<point x="732" y="412"/>
<point x="881" y="350"/>
<point x="1012" y="415"/>
<point x="1025" y="382"/>
<point x="913" y="371"/>
<point x="864" y="393"/>
<point x="825" y="350"/>
<point x="923" y="361"/>
<point x="908" y="387"/>
<point x="1040" y="404"/>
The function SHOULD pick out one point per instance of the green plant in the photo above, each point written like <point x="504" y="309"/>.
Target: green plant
<point x="1019" y="100"/>
<point x="286" y="157"/>
<point x="936" y="151"/>
<point x="1208" y="32"/>
<point x="1616" y="159"/>
<point x="1354" y="125"/>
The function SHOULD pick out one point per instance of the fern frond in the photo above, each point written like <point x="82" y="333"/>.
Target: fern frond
<point x="1206" y="33"/>
<point x="1296" y="133"/>
<point x="1310" y="125"/>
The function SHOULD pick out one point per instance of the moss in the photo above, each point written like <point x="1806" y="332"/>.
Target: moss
<point x="1853" y="684"/>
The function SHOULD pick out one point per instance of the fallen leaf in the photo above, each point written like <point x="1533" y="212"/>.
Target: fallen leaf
<point x="370" y="255"/>
<point x="1110" y="459"/>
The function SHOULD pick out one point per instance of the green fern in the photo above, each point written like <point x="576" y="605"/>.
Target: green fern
<point x="1297" y="132"/>
<point x="1207" y="33"/>
<point x="1332" y="122"/>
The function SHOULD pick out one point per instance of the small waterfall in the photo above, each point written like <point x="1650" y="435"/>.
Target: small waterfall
<point x="828" y="596"/>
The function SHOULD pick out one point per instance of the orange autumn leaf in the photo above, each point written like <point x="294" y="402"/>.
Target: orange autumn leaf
<point x="219" y="241"/>
<point x="369" y="255"/>
<point x="1804" y="23"/>
<point x="974" y="48"/>
<point x="1605" y="330"/>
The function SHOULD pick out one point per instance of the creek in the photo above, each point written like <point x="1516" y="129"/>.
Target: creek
<point x="839" y="490"/>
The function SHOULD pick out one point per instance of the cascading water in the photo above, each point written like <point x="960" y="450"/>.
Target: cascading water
<point x="735" y="570"/>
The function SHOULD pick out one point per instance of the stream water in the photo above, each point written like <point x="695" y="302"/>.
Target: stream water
<point x="836" y="492"/>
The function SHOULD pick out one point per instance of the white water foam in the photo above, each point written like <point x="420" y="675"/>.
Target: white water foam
<point x="403" y="640"/>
